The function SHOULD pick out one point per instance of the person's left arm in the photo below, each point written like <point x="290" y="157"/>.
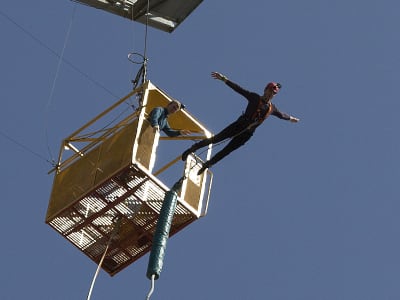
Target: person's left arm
<point x="284" y="116"/>
<point x="169" y="131"/>
<point x="173" y="132"/>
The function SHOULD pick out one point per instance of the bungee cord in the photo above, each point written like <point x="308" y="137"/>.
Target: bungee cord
<point x="167" y="215"/>
<point x="151" y="287"/>
<point x="161" y="234"/>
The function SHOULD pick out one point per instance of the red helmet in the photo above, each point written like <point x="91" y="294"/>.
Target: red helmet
<point x="274" y="86"/>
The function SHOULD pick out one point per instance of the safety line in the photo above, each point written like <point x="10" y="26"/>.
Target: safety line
<point x="151" y="287"/>
<point x="145" y="36"/>
<point x="142" y="73"/>
<point x="54" y="83"/>
<point x="116" y="228"/>
<point x="25" y="147"/>
<point x="58" y="55"/>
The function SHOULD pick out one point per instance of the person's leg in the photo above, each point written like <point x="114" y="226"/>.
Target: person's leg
<point x="196" y="146"/>
<point x="227" y="132"/>
<point x="234" y="144"/>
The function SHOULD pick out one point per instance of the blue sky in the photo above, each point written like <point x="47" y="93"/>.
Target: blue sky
<point x="302" y="211"/>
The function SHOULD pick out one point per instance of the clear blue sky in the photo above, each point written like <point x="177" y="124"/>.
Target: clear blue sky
<point x="306" y="211"/>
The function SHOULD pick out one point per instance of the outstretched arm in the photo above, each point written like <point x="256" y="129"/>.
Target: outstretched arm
<point x="172" y="132"/>
<point x="238" y="89"/>
<point x="284" y="116"/>
<point x="219" y="76"/>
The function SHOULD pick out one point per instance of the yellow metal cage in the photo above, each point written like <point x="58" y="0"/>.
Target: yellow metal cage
<point x="107" y="175"/>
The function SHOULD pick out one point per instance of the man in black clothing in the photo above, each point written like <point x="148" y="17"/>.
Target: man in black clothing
<point x="240" y="131"/>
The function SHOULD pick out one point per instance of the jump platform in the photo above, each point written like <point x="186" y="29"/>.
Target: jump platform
<point x="105" y="192"/>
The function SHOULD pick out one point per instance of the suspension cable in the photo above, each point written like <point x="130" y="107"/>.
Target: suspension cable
<point x="58" y="55"/>
<point x="145" y="40"/>
<point x="54" y="83"/>
<point x="141" y="75"/>
<point x="26" y="148"/>
<point x="61" y="58"/>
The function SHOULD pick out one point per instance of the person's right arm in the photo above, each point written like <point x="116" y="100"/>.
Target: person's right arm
<point x="245" y="93"/>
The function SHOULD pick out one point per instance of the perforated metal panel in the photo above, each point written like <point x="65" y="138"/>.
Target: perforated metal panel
<point x="126" y="206"/>
<point x="165" y="15"/>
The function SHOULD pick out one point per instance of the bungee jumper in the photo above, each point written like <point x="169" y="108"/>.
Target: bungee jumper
<point x="241" y="130"/>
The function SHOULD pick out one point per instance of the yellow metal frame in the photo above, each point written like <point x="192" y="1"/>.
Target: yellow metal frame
<point x="107" y="175"/>
<point x="89" y="139"/>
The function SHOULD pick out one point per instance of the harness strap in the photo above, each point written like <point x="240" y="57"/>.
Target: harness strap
<point x="258" y="122"/>
<point x="268" y="112"/>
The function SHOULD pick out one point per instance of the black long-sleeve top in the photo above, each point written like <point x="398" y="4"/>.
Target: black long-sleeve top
<point x="254" y="99"/>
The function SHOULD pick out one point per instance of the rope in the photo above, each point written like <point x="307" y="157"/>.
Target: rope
<point x="57" y="55"/>
<point x="151" y="287"/>
<point x="108" y="125"/>
<point x="142" y="73"/>
<point x="116" y="228"/>
<point x="145" y="36"/>
<point x="133" y="34"/>
<point x="37" y="40"/>
<point x="26" y="148"/>
<point x="55" y="80"/>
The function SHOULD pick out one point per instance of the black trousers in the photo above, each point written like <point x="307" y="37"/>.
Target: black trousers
<point x="238" y="131"/>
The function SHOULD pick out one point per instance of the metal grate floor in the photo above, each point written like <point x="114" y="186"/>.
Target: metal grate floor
<point x="125" y="208"/>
